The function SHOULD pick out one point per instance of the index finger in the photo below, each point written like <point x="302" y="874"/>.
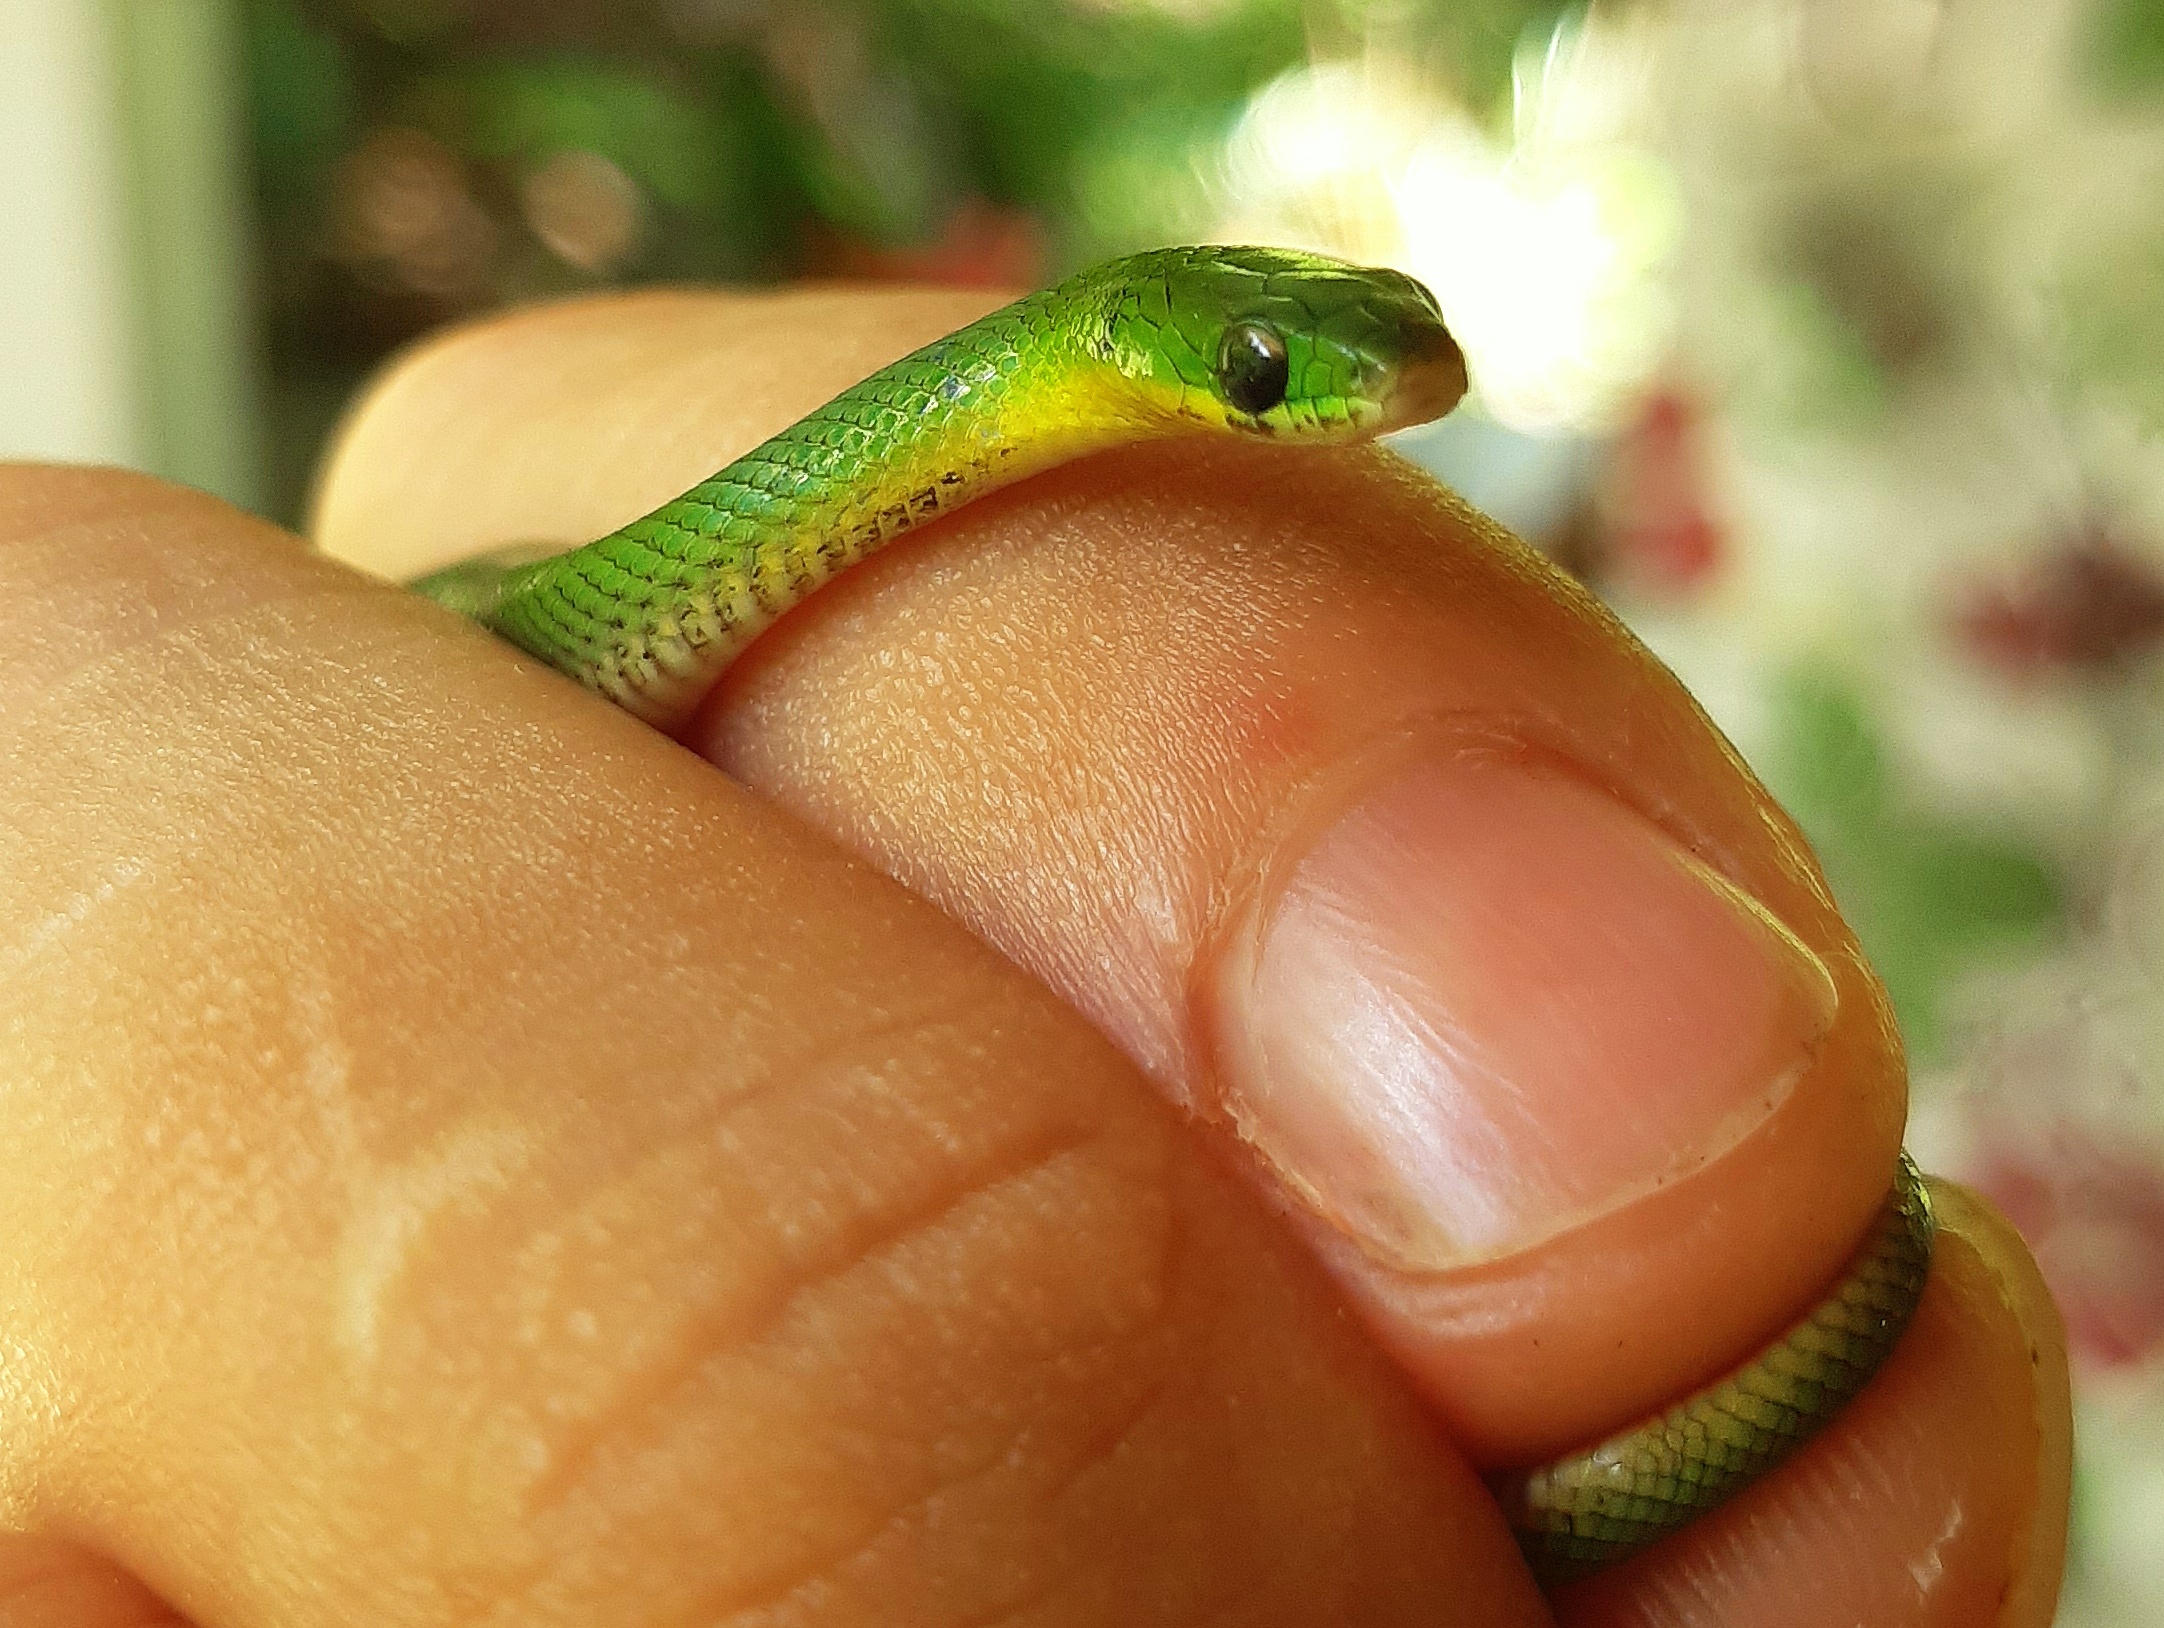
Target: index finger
<point x="463" y="1161"/>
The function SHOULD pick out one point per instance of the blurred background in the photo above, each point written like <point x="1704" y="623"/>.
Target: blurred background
<point x="1825" y="338"/>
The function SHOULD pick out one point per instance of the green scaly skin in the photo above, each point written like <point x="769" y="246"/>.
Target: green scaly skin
<point x="1135" y="350"/>
<point x="1578" y="1514"/>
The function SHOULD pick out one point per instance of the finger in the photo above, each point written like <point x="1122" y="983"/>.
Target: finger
<point x="1378" y="846"/>
<point x="466" y="1162"/>
<point x="713" y="373"/>
<point x="1968" y="1424"/>
<point x="45" y="1583"/>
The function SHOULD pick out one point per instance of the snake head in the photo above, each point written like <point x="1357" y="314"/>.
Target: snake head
<point x="1273" y="342"/>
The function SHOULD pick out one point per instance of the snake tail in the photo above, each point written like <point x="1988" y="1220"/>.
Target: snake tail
<point x="1600" y="1505"/>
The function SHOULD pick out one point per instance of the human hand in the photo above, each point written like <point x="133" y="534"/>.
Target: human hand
<point x="470" y="1161"/>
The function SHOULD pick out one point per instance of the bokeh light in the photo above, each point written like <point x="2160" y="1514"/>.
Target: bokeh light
<point x="1547" y="247"/>
<point x="586" y="210"/>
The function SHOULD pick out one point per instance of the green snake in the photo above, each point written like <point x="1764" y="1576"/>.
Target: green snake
<point x="1264" y="343"/>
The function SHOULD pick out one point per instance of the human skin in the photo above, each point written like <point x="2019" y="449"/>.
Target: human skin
<point x="469" y="1160"/>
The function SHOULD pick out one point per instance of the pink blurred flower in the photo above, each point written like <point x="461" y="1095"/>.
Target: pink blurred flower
<point x="2094" y="1215"/>
<point x="2090" y="602"/>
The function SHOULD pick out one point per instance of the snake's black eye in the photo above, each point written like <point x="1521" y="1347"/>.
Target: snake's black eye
<point x="1251" y="367"/>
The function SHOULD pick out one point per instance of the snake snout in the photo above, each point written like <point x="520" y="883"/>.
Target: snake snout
<point x="1428" y="379"/>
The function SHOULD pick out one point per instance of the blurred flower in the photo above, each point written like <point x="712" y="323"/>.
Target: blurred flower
<point x="1654" y="519"/>
<point x="2094" y="1216"/>
<point x="405" y="215"/>
<point x="2092" y="602"/>
<point x="585" y="210"/>
<point x="1315" y="155"/>
<point x="1544" y="266"/>
<point x="1881" y="196"/>
<point x="1545" y="252"/>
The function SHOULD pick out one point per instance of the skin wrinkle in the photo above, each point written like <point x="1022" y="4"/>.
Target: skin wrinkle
<point x="312" y="1059"/>
<point x="113" y="873"/>
<point x="388" y="1204"/>
<point x="1102" y="1445"/>
<point x="139" y="593"/>
<point x="878" y="1038"/>
<point x="1094" y="1453"/>
<point x="758" y="1322"/>
<point x="1431" y="592"/>
<point x="739" y="1603"/>
<point x="976" y="1208"/>
<point x="775" y="1600"/>
<point x="1049" y="794"/>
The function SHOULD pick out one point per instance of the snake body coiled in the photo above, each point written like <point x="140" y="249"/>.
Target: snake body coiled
<point x="1266" y="343"/>
<point x="1598" y="1506"/>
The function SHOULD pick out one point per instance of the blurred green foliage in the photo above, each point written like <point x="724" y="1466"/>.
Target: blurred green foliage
<point x="2130" y="45"/>
<point x="768" y="138"/>
<point x="875" y="116"/>
<point x="2108" y="306"/>
<point x="302" y="104"/>
<point x="760" y="139"/>
<point x="1932" y="899"/>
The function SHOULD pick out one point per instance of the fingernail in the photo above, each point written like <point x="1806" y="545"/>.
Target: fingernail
<point x="1489" y="1002"/>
